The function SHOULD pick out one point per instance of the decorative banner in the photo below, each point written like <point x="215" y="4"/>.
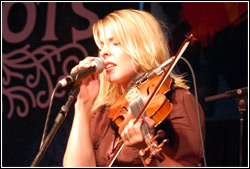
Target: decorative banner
<point x="41" y="42"/>
<point x="42" y="60"/>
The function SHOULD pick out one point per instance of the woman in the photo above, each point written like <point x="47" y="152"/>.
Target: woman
<point x="130" y="42"/>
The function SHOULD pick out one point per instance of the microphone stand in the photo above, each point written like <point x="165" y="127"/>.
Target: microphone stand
<point x="58" y="121"/>
<point x="242" y="105"/>
<point x="241" y="99"/>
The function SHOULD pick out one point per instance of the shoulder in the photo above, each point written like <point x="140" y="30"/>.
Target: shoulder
<point x="184" y="105"/>
<point x="184" y="108"/>
<point x="181" y="95"/>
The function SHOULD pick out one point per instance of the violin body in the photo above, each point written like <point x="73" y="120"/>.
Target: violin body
<point x="158" y="109"/>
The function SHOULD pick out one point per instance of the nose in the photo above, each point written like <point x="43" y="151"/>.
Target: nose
<point x="104" y="52"/>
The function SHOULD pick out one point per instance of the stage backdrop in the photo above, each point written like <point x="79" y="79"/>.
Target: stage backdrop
<point x="42" y="41"/>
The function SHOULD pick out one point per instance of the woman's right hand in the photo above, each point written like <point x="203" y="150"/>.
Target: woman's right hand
<point x="79" y="151"/>
<point x="89" y="87"/>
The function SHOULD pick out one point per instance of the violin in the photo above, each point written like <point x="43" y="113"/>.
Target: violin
<point x="146" y="97"/>
<point x="158" y="109"/>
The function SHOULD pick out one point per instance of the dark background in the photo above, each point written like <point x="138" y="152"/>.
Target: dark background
<point x="220" y="66"/>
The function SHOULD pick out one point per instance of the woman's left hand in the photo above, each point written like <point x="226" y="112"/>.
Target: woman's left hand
<point x="132" y="134"/>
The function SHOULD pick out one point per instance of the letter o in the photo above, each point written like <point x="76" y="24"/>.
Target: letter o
<point x="28" y="28"/>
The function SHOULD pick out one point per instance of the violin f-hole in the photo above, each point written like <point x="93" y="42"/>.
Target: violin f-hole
<point x="119" y="119"/>
<point x="124" y="108"/>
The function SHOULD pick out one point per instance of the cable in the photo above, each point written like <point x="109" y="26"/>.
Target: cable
<point x="198" y="110"/>
<point x="48" y="114"/>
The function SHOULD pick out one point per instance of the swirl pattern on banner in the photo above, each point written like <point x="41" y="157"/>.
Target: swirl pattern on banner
<point x="22" y="94"/>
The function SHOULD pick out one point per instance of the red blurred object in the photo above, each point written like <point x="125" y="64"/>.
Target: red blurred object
<point x="208" y="18"/>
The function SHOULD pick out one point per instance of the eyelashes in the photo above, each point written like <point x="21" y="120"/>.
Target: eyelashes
<point x="113" y="44"/>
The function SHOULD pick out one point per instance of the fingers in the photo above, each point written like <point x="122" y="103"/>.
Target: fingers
<point x="151" y="124"/>
<point x="132" y="133"/>
<point x="89" y="85"/>
<point x="85" y="63"/>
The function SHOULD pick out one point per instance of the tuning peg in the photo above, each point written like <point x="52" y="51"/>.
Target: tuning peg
<point x="157" y="154"/>
<point x="142" y="152"/>
<point x="163" y="142"/>
<point x="148" y="160"/>
<point x="159" y="134"/>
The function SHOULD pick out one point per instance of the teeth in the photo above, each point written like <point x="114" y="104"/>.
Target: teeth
<point x="109" y="65"/>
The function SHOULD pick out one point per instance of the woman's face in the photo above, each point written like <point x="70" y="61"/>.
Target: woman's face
<point x="119" y="68"/>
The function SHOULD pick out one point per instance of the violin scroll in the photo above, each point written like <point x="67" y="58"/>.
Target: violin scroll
<point x="154" y="152"/>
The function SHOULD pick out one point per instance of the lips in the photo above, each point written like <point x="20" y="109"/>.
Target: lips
<point x="109" y="66"/>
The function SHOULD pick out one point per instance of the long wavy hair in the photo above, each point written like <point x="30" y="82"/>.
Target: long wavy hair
<point x="142" y="37"/>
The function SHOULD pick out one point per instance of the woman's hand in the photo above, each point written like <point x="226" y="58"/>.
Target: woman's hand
<point x="79" y="150"/>
<point x="89" y="87"/>
<point x="132" y="134"/>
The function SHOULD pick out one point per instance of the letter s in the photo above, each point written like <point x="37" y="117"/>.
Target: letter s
<point x="79" y="9"/>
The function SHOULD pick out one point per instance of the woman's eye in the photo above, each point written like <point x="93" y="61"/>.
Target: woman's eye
<point x="116" y="43"/>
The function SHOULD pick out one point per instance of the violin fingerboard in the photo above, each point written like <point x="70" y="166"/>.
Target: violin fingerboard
<point x="136" y="106"/>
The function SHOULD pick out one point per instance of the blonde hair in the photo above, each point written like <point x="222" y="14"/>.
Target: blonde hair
<point x="141" y="36"/>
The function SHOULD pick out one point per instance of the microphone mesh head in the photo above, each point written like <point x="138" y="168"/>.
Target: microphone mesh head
<point x="99" y="64"/>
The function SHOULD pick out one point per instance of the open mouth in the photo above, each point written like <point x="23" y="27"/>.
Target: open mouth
<point x="109" y="66"/>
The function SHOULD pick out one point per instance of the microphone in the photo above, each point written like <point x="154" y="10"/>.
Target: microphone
<point x="229" y="94"/>
<point x="81" y="74"/>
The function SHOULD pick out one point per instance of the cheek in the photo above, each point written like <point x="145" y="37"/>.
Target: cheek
<point x="126" y="65"/>
<point x="124" y="73"/>
<point x="126" y="62"/>
<point x="128" y="71"/>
